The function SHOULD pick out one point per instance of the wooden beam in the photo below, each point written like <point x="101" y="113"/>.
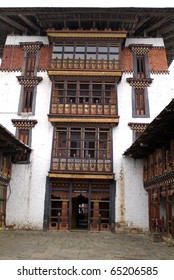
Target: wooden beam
<point x="157" y="24"/>
<point x="56" y="119"/>
<point x="169" y="36"/>
<point x="13" y="23"/>
<point x="167" y="29"/>
<point x="169" y="44"/>
<point x="81" y="176"/>
<point x="116" y="73"/>
<point x="140" y="23"/>
<point x="27" y="21"/>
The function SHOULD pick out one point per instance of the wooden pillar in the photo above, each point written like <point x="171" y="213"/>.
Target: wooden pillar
<point x="95" y="220"/>
<point x="167" y="209"/>
<point x="64" y="217"/>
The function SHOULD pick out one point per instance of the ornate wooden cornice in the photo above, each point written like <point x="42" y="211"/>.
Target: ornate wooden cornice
<point x="31" y="47"/>
<point x="140" y="49"/>
<point x="166" y="179"/>
<point x="24" y="123"/>
<point x="139" y="83"/>
<point x="138" y="127"/>
<point x="29" y="81"/>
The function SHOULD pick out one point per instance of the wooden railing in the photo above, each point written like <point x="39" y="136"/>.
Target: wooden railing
<point x="81" y="165"/>
<point x="84" y="108"/>
<point x="80" y="64"/>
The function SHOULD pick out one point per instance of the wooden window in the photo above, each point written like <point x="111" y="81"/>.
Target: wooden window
<point x="96" y="93"/>
<point x="27" y="99"/>
<point x="71" y="92"/>
<point x="110" y="94"/>
<point x="84" y="92"/>
<point x="30" y="64"/>
<point x="89" y="143"/>
<point x="80" y="91"/>
<point x="23" y="135"/>
<point x="75" y="142"/>
<point x="83" y="142"/>
<point x="68" y="51"/>
<point x="78" y="50"/>
<point x="60" y="141"/>
<point x="140" y="62"/>
<point x="140" y="107"/>
<point x="58" y="92"/>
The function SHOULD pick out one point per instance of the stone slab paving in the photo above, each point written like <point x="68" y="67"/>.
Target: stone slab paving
<point x="83" y="245"/>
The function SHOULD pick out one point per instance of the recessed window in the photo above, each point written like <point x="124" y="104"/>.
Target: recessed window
<point x="80" y="91"/>
<point x="27" y="99"/>
<point x="86" y="51"/>
<point x="140" y="62"/>
<point x="30" y="64"/>
<point x="140" y="103"/>
<point x="82" y="143"/>
<point x="23" y="135"/>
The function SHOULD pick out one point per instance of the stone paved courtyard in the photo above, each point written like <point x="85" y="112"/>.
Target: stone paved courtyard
<point x="42" y="245"/>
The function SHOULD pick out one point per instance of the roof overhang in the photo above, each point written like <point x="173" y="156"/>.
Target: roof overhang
<point x="157" y="134"/>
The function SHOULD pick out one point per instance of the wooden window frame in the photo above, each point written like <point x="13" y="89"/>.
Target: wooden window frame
<point x="59" y="54"/>
<point x="140" y="103"/>
<point x="101" y="149"/>
<point x="27" y="99"/>
<point x="66" y="97"/>
<point x="140" y="66"/>
<point x="30" y="65"/>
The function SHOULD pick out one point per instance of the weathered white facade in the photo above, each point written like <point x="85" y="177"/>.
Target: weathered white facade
<point x="26" y="192"/>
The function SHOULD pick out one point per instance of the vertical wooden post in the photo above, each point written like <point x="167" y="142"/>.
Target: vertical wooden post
<point x="64" y="218"/>
<point x="96" y="213"/>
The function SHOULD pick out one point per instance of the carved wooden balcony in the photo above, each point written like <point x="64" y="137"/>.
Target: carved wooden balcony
<point x="81" y="64"/>
<point x="81" y="165"/>
<point x="84" y="108"/>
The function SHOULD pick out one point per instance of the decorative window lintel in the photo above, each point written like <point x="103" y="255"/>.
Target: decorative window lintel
<point x="140" y="49"/>
<point x="31" y="47"/>
<point x="138" y="127"/>
<point x="24" y="123"/>
<point x="29" y="81"/>
<point x="139" y="83"/>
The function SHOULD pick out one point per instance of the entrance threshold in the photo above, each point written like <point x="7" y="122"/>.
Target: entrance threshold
<point x="79" y="230"/>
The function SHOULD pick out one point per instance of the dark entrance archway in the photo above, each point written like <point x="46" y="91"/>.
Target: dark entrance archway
<point x="80" y="212"/>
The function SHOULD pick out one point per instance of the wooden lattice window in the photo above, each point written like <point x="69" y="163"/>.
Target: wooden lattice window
<point x="140" y="107"/>
<point x="27" y="99"/>
<point x="30" y="64"/>
<point x="141" y="72"/>
<point x="77" y="142"/>
<point x="79" y="92"/>
<point x="94" y="51"/>
<point x="23" y="135"/>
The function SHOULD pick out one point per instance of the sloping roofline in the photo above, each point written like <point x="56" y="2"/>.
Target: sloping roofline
<point x="158" y="133"/>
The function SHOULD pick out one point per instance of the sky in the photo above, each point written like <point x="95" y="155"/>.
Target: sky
<point x="88" y="3"/>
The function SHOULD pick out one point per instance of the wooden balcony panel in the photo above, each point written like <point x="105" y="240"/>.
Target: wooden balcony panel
<point x="79" y="64"/>
<point x="81" y="165"/>
<point x="83" y="109"/>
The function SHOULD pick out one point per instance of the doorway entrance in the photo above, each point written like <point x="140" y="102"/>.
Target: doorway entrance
<point x="80" y="212"/>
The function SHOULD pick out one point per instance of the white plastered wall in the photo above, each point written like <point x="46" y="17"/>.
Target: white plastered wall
<point x="26" y="192"/>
